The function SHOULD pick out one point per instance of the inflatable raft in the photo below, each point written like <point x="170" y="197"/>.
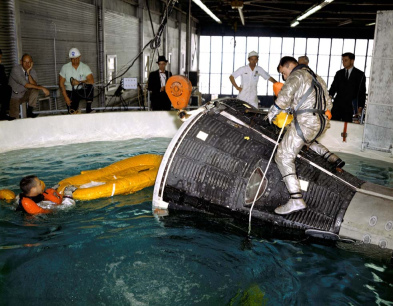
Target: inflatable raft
<point x="123" y="177"/>
<point x="216" y="162"/>
<point x="6" y="194"/>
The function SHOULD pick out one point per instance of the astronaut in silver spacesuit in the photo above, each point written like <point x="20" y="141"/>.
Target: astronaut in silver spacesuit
<point x="306" y="95"/>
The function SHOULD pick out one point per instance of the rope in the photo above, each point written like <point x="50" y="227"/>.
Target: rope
<point x="264" y="174"/>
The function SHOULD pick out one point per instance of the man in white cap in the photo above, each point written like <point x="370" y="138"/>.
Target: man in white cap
<point x="76" y="83"/>
<point x="250" y="75"/>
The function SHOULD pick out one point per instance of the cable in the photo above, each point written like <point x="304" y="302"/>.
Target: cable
<point x="81" y="86"/>
<point x="264" y="174"/>
<point x="151" y="21"/>
<point x="154" y="44"/>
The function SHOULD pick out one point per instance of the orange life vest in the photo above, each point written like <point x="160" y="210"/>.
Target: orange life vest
<point x="28" y="205"/>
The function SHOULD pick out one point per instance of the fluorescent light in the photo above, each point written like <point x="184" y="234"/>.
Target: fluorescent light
<point x="241" y="15"/>
<point x="310" y="12"/>
<point x="370" y="24"/>
<point x="348" y="21"/>
<point x="209" y="12"/>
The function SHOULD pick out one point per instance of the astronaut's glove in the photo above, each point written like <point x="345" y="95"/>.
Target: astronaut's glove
<point x="68" y="191"/>
<point x="274" y="110"/>
<point x="71" y="187"/>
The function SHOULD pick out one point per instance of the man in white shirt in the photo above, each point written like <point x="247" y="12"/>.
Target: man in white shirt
<point x="250" y="75"/>
<point x="76" y="83"/>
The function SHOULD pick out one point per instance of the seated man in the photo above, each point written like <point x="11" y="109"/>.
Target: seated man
<point x="5" y="93"/>
<point x="76" y="83"/>
<point x="23" y="81"/>
<point x="33" y="193"/>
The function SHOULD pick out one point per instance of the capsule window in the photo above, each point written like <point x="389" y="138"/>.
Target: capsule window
<point x="253" y="184"/>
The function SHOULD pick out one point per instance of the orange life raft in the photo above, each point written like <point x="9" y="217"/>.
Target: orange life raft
<point x="123" y="177"/>
<point x="6" y="194"/>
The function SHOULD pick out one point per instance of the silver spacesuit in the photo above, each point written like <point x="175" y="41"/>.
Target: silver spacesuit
<point x="306" y="95"/>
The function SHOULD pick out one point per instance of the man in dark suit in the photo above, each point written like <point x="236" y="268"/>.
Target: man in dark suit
<point x="156" y="84"/>
<point x="350" y="86"/>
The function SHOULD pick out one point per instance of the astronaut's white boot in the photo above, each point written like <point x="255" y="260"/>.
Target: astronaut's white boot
<point x="296" y="201"/>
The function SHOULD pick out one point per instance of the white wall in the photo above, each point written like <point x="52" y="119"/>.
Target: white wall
<point x="67" y="129"/>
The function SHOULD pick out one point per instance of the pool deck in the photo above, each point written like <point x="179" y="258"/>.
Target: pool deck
<point x="48" y="131"/>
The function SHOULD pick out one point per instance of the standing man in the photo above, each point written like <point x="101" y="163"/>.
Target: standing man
<point x="250" y="75"/>
<point x="156" y="84"/>
<point x="23" y="81"/>
<point x="303" y="60"/>
<point x="5" y="93"/>
<point x="349" y="86"/>
<point x="76" y="83"/>
<point x="306" y="94"/>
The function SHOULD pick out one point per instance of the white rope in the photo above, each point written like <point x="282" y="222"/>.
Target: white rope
<point x="264" y="174"/>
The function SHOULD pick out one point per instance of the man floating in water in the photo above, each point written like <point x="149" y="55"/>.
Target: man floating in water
<point x="34" y="193"/>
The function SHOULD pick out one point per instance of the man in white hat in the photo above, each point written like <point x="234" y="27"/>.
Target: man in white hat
<point x="250" y="75"/>
<point x="76" y="83"/>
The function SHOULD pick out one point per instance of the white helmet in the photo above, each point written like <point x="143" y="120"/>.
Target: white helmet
<point x="252" y="53"/>
<point x="74" y="52"/>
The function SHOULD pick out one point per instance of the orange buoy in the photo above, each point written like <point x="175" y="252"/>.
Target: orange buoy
<point x="178" y="89"/>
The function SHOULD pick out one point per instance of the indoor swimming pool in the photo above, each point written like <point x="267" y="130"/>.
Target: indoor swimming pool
<point x="114" y="251"/>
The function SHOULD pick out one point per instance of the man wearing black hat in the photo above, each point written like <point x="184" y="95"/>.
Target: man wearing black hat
<point x="156" y="84"/>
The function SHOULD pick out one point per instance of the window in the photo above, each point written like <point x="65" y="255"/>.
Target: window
<point x="240" y="52"/>
<point x="349" y="45"/>
<point x="337" y="47"/>
<point x="204" y="58"/>
<point x="111" y="68"/>
<point x="221" y="55"/>
<point x="252" y="44"/>
<point x="300" y="46"/>
<point x="287" y="46"/>
<point x="253" y="185"/>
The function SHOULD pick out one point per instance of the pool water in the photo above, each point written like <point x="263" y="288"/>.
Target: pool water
<point x="113" y="251"/>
